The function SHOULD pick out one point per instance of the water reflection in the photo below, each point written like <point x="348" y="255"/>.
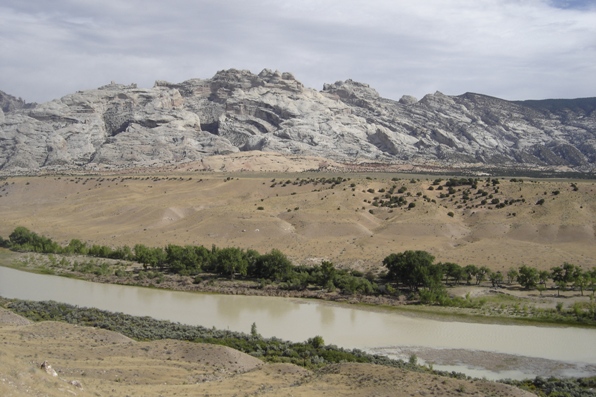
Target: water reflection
<point x="235" y="308"/>
<point x="326" y="315"/>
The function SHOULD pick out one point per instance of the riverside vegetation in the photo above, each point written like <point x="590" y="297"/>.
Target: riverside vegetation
<point x="312" y="354"/>
<point x="410" y="276"/>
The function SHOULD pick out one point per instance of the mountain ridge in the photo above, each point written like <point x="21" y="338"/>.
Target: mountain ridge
<point x="121" y="126"/>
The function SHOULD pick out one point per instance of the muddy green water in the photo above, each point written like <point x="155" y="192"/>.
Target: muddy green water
<point x="298" y="320"/>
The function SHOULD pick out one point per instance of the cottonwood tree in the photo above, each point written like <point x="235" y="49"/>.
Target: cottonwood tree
<point x="231" y="261"/>
<point x="470" y="272"/>
<point x="272" y="266"/>
<point x="496" y="278"/>
<point x="528" y="277"/>
<point x="564" y="275"/>
<point x="412" y="268"/>
<point x="543" y="277"/>
<point x="481" y="274"/>
<point x="512" y="275"/>
<point x="582" y="281"/>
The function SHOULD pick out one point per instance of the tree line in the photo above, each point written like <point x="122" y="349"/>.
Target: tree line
<point x="413" y="271"/>
<point x="416" y="271"/>
<point x="190" y="260"/>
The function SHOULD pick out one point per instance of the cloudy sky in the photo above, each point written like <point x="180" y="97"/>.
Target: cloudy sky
<point x="512" y="49"/>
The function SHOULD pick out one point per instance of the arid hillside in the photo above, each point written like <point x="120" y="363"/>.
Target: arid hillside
<point x="353" y="220"/>
<point x="96" y="362"/>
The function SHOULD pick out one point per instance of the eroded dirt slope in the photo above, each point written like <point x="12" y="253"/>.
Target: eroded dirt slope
<point x="95" y="362"/>
<point x="312" y="219"/>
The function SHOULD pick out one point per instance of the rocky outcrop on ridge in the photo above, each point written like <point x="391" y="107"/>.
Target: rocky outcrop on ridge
<point x="9" y="103"/>
<point x="126" y="126"/>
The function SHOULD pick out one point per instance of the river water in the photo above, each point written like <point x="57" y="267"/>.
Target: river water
<point x="298" y="320"/>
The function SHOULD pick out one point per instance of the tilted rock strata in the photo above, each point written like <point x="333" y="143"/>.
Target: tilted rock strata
<point x="126" y="126"/>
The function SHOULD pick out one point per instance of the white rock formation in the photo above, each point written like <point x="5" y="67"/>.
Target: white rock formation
<point x="126" y="126"/>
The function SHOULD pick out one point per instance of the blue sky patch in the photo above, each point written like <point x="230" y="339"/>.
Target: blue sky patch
<point x="574" y="4"/>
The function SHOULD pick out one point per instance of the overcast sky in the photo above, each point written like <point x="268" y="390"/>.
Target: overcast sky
<point x="511" y="49"/>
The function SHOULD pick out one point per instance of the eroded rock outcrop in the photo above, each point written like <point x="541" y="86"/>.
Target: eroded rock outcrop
<point x="126" y="126"/>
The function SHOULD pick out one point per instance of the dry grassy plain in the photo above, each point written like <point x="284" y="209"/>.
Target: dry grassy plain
<point x="217" y="202"/>
<point x="104" y="363"/>
<point x="309" y="222"/>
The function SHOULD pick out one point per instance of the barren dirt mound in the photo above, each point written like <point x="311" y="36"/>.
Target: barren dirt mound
<point x="52" y="330"/>
<point x="94" y="362"/>
<point x="221" y="358"/>
<point x="8" y="318"/>
<point x="358" y="380"/>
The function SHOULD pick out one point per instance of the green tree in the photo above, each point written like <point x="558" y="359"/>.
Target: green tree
<point x="21" y="236"/>
<point x="482" y="274"/>
<point x="24" y="239"/>
<point x="231" y="261"/>
<point x="274" y="265"/>
<point x="205" y="258"/>
<point x="296" y="280"/>
<point x="153" y="257"/>
<point x="253" y="331"/>
<point x="496" y="278"/>
<point x="561" y="285"/>
<point x="512" y="275"/>
<point x="453" y="271"/>
<point x="183" y="260"/>
<point x="582" y="281"/>
<point x="100" y="251"/>
<point x="543" y="277"/>
<point x="411" y="268"/>
<point x="350" y="284"/>
<point x="470" y="272"/>
<point x="528" y="277"/>
<point x="564" y="275"/>
<point x="76" y="246"/>
<point x="328" y="273"/>
<point x="316" y="342"/>
<point x="592" y="285"/>
<point x="122" y="253"/>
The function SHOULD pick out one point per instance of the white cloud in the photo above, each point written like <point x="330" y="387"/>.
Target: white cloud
<point x="514" y="49"/>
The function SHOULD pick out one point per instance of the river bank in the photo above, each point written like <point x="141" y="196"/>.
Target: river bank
<point x="89" y="361"/>
<point x="481" y="303"/>
<point x="443" y="339"/>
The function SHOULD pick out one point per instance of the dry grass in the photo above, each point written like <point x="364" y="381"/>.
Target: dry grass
<point x="108" y="364"/>
<point x="311" y="222"/>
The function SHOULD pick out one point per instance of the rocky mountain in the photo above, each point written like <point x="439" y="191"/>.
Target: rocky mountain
<point x="9" y="103"/>
<point x="126" y="126"/>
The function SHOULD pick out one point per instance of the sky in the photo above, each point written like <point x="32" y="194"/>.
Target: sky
<point x="511" y="49"/>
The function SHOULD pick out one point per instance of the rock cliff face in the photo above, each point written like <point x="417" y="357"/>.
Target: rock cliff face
<point x="126" y="126"/>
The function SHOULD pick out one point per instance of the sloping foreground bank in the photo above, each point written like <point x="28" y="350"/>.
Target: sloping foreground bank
<point x="96" y="361"/>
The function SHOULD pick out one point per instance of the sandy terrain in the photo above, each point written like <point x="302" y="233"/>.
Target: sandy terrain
<point x="95" y="362"/>
<point x="307" y="221"/>
<point x="491" y="361"/>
